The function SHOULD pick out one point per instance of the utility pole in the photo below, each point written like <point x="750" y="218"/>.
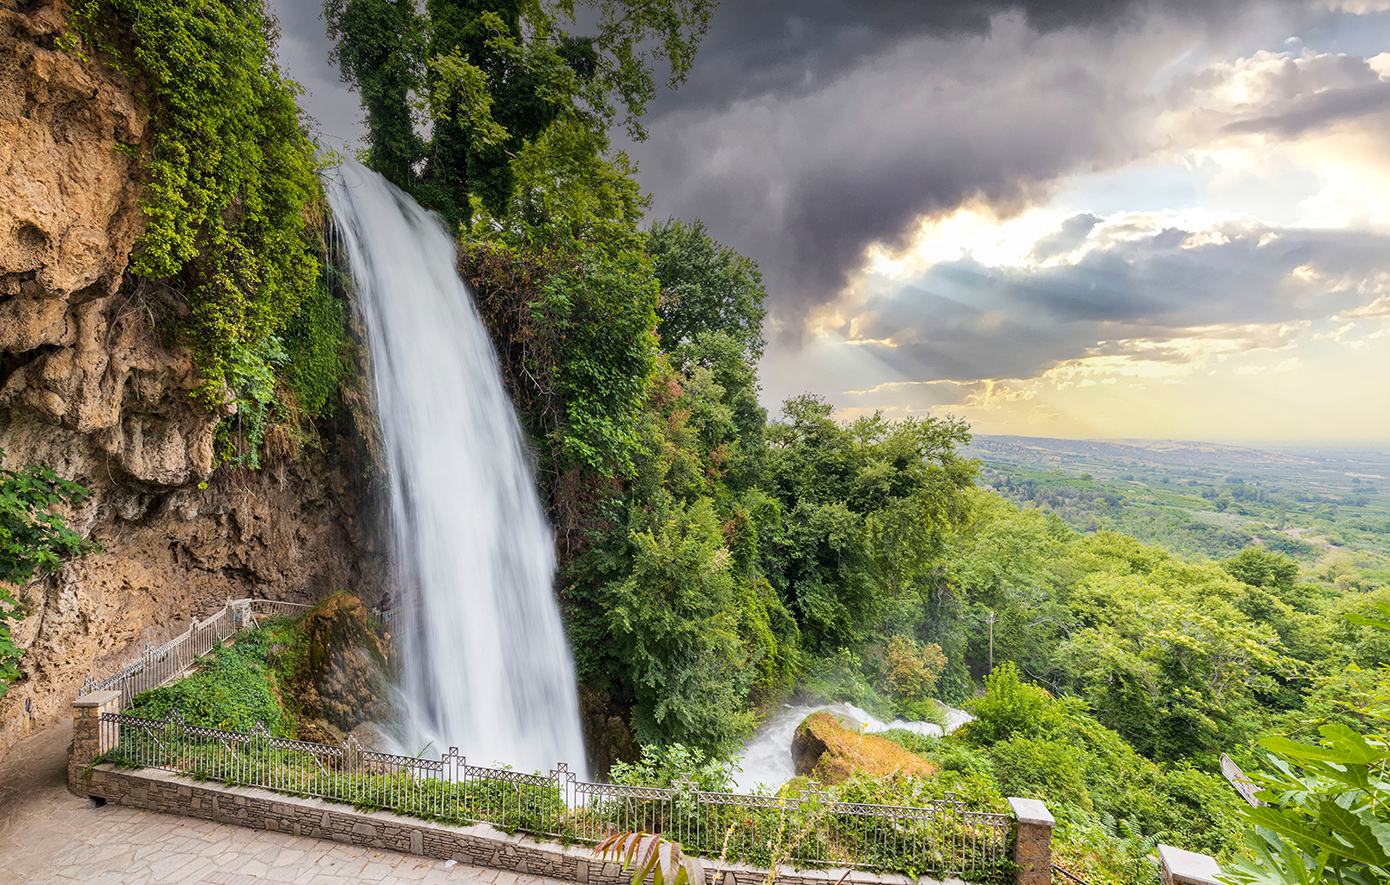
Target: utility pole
<point x="991" y="642"/>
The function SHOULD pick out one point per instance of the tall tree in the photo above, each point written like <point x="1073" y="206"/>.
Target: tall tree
<point x="705" y="287"/>
<point x="495" y="76"/>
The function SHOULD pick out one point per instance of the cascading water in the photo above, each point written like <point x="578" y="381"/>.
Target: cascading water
<point x="484" y="664"/>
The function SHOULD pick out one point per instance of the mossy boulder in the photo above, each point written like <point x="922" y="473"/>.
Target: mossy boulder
<point x="341" y="673"/>
<point x="825" y="750"/>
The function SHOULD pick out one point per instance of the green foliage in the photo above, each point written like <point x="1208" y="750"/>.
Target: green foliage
<point x="229" y="178"/>
<point x="673" y="618"/>
<point x="521" y="108"/>
<point x="314" y="340"/>
<point x="1328" y="817"/>
<point x="663" y="766"/>
<point x="234" y="687"/>
<point x="1049" y="748"/>
<point x="868" y="506"/>
<point x="379" y="46"/>
<point x="575" y="334"/>
<point x="910" y="671"/>
<point x="34" y="539"/>
<point x="705" y="287"/>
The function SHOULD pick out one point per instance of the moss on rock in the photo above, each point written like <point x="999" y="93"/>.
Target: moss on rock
<point x="827" y="751"/>
<point x="340" y="671"/>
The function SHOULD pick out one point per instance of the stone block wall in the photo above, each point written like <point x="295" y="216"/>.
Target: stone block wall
<point x="1033" y="841"/>
<point x="89" y="740"/>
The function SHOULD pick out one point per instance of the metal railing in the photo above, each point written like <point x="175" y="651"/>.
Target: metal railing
<point x="156" y="666"/>
<point x="808" y="828"/>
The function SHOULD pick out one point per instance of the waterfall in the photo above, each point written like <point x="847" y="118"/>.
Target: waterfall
<point x="483" y="661"/>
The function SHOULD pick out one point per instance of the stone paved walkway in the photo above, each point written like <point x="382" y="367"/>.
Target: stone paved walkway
<point x="49" y="835"/>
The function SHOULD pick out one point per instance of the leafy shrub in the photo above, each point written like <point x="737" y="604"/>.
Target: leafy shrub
<point x="34" y="537"/>
<point x="1040" y="769"/>
<point x="662" y="766"/>
<point x="910" y="670"/>
<point x="1008" y="708"/>
<point x="234" y="687"/>
<point x="231" y="194"/>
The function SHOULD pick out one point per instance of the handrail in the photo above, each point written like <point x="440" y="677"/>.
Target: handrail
<point x="156" y="666"/>
<point x="1069" y="874"/>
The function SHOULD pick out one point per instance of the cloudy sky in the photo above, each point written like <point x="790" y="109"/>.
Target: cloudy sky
<point x="1086" y="218"/>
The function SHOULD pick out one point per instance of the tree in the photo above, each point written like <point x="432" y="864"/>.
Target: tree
<point x="496" y="77"/>
<point x="34" y="538"/>
<point x="379" y="45"/>
<point x="705" y="287"/>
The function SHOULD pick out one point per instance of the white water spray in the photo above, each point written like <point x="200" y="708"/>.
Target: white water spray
<point x="484" y="664"/>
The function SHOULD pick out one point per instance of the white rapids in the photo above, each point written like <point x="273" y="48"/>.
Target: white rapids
<point x="484" y="663"/>
<point x="766" y="760"/>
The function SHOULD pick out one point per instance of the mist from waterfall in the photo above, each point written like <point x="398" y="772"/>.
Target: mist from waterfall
<point x="483" y="660"/>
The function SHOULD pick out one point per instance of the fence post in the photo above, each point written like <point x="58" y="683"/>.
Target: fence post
<point x="1033" y="843"/>
<point x="1178" y="867"/>
<point x="90" y="738"/>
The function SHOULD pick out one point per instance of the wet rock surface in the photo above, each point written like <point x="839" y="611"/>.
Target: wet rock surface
<point x="342" y="681"/>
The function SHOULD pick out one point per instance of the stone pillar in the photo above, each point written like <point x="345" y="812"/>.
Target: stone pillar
<point x="1178" y="867"/>
<point x="1033" y="844"/>
<point x="89" y="738"/>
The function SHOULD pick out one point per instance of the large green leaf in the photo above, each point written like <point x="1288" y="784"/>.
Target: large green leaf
<point x="1360" y="843"/>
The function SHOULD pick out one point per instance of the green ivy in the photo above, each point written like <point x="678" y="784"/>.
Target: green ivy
<point x="34" y="538"/>
<point x="230" y="179"/>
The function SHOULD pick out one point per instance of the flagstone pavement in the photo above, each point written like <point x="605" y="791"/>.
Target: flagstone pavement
<point x="49" y="835"/>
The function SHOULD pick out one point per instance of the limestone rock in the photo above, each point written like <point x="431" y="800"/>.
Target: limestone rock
<point x="342" y="675"/>
<point x="825" y="750"/>
<point x="88" y="389"/>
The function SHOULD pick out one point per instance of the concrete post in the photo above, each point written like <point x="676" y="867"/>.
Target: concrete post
<point x="1178" y="867"/>
<point x="1033" y="844"/>
<point x="89" y="739"/>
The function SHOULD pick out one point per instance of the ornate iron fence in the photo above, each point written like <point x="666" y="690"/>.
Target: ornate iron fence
<point x="809" y="828"/>
<point x="156" y="666"/>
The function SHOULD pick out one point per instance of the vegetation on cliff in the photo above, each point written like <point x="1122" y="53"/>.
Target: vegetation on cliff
<point x="314" y="677"/>
<point x="34" y="539"/>
<point x="232" y="204"/>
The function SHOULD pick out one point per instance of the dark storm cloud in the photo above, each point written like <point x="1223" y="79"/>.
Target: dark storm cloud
<point x="791" y="47"/>
<point x="804" y="184"/>
<point x="812" y="129"/>
<point x="1071" y="235"/>
<point x="963" y="321"/>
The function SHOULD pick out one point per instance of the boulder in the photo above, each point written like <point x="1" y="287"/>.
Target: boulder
<point x="825" y="750"/>
<point x="342" y="671"/>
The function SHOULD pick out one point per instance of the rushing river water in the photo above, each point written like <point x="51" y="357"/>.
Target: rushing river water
<point x="484" y="664"/>
<point x="766" y="759"/>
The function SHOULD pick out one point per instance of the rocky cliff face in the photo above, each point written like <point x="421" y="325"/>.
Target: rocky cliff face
<point x="88" y="389"/>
